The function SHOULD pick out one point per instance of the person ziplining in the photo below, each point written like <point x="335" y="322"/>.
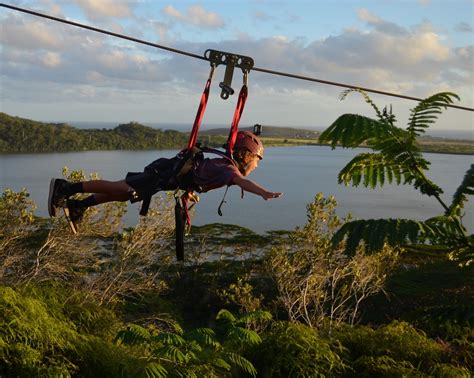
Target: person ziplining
<point x="188" y="170"/>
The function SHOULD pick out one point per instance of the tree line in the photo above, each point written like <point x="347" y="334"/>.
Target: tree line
<point x="23" y="135"/>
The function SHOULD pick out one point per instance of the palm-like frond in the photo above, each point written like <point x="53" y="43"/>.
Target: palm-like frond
<point x="367" y="99"/>
<point x="427" y="111"/>
<point x="172" y="353"/>
<point x="169" y="338"/>
<point x="243" y="335"/>
<point x="376" y="232"/>
<point x="133" y="335"/>
<point x="442" y="232"/>
<point x="372" y="169"/>
<point x="466" y="188"/>
<point x="351" y="130"/>
<point x="255" y="316"/>
<point x="241" y="362"/>
<point x="204" y="336"/>
<point x="398" y="159"/>
<point x="226" y="315"/>
<point x="155" y="370"/>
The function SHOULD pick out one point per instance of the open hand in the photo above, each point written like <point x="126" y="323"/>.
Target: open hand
<point x="270" y="195"/>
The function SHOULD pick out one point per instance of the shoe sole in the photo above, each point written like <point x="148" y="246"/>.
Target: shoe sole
<point x="51" y="208"/>
<point x="68" y="218"/>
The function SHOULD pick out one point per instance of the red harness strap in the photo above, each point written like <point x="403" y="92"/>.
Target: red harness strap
<point x="239" y="108"/>
<point x="199" y="114"/>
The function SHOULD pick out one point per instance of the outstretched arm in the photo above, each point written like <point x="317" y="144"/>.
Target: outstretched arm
<point x="252" y="187"/>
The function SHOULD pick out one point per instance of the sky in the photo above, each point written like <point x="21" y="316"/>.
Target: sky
<point x="58" y="73"/>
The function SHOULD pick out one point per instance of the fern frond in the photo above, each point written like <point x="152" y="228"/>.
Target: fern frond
<point x="169" y="338"/>
<point x="219" y="362"/>
<point x="369" y="169"/>
<point x="172" y="353"/>
<point x="367" y="99"/>
<point x="243" y="335"/>
<point x="426" y="186"/>
<point x="466" y="188"/>
<point x="204" y="336"/>
<point x="133" y="335"/>
<point x="155" y="370"/>
<point x="376" y="232"/>
<point x="427" y="111"/>
<point x="374" y="169"/>
<point x="242" y="363"/>
<point x="226" y="315"/>
<point x="351" y="130"/>
<point x="445" y="229"/>
<point x="255" y="316"/>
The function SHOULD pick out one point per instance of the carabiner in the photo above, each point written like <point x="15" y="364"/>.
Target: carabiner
<point x="211" y="74"/>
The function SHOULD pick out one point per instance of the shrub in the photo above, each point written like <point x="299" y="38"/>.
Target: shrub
<point x="196" y="353"/>
<point x="33" y="340"/>
<point x="317" y="282"/>
<point x="396" y="348"/>
<point x="296" y="350"/>
<point x="52" y="331"/>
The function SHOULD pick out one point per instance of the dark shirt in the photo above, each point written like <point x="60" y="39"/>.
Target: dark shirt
<point x="211" y="174"/>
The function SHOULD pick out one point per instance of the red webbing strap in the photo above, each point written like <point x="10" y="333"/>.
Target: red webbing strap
<point x="239" y="108"/>
<point x="186" y="211"/>
<point x="199" y="115"/>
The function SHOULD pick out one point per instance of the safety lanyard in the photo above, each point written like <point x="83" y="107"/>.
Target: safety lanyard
<point x="239" y="108"/>
<point x="200" y="111"/>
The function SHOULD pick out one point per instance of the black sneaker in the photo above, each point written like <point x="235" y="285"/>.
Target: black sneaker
<point x="74" y="214"/>
<point x="57" y="195"/>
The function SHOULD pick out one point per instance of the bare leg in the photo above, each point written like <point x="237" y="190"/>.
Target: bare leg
<point x="106" y="187"/>
<point x="109" y="197"/>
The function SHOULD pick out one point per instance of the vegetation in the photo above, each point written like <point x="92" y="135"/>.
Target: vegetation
<point x="329" y="299"/>
<point x="112" y="301"/>
<point x="23" y="135"/>
<point x="397" y="159"/>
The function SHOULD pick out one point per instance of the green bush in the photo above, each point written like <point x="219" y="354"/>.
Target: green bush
<point x="53" y="331"/>
<point x="396" y="349"/>
<point x="296" y="350"/>
<point x="33" y="341"/>
<point x="199" y="352"/>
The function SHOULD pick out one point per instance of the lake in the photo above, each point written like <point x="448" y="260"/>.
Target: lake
<point x="299" y="172"/>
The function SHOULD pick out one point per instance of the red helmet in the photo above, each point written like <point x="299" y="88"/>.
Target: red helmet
<point x="248" y="140"/>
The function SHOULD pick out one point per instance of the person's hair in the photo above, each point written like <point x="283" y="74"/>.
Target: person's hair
<point x="242" y="157"/>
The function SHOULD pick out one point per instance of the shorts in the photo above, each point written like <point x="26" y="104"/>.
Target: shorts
<point x="143" y="184"/>
<point x="158" y="175"/>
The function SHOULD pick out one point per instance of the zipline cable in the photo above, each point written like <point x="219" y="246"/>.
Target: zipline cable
<point x="182" y="52"/>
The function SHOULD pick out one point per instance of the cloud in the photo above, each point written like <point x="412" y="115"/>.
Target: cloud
<point x="464" y="27"/>
<point x="261" y="16"/>
<point x="99" y="9"/>
<point x="378" y="23"/>
<point x="51" y="59"/>
<point x="29" y="35"/>
<point x="195" y="15"/>
<point x="59" y="64"/>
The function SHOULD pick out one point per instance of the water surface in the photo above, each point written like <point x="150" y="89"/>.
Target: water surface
<point x="299" y="172"/>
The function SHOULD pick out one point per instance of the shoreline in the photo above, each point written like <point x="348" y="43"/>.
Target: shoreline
<point x="267" y="145"/>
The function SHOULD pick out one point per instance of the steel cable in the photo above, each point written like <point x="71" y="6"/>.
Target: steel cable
<point x="182" y="52"/>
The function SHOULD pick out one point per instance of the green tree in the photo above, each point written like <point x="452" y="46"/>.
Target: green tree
<point x="397" y="159"/>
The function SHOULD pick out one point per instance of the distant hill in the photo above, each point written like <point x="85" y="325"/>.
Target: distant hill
<point x="24" y="135"/>
<point x="271" y="132"/>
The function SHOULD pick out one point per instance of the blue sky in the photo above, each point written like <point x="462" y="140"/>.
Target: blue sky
<point x="53" y="72"/>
